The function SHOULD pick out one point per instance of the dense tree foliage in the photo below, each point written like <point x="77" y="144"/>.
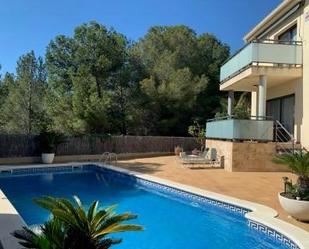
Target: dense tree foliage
<point x="80" y="70"/>
<point x="22" y="95"/>
<point x="99" y="82"/>
<point x="182" y="76"/>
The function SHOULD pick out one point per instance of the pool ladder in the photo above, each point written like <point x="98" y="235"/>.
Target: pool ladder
<point x="2" y="171"/>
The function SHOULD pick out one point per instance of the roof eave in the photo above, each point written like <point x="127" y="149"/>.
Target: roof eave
<point x="269" y="19"/>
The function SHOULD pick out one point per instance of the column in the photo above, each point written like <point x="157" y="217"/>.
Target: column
<point x="230" y="103"/>
<point x="262" y="96"/>
<point x="254" y="104"/>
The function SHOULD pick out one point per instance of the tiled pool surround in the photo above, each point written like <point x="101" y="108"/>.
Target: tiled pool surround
<point x="294" y="237"/>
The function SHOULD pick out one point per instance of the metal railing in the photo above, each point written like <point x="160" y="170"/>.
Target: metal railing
<point x="266" y="52"/>
<point x="285" y="141"/>
<point x="240" y="118"/>
<point x="271" y="41"/>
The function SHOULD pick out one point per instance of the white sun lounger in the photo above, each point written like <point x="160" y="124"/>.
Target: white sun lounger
<point x="207" y="157"/>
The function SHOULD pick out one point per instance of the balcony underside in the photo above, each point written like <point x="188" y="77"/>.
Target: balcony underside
<point x="248" y="79"/>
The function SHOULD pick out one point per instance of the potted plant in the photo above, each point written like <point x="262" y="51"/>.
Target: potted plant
<point x="49" y="142"/>
<point x="199" y="133"/>
<point x="295" y="198"/>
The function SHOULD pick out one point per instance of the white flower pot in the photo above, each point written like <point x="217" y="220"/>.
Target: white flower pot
<point x="48" y="157"/>
<point x="296" y="208"/>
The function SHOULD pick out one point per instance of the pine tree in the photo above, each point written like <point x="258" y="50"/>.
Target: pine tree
<point x="6" y="83"/>
<point x="80" y="70"/>
<point x="181" y="81"/>
<point x="22" y="110"/>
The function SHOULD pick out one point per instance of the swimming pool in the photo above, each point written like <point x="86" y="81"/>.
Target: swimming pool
<point x="173" y="219"/>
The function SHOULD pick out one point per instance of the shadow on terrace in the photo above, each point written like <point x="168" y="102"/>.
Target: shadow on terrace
<point x="146" y="168"/>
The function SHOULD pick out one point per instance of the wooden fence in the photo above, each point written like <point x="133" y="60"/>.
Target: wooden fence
<point x="27" y="145"/>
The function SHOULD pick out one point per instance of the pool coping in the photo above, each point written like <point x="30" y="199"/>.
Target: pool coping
<point x="10" y="221"/>
<point x="260" y="217"/>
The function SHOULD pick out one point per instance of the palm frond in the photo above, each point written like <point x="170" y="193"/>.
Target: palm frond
<point x="102" y="215"/>
<point x="103" y="244"/>
<point x="54" y="232"/>
<point x="297" y="162"/>
<point x="29" y="239"/>
<point x="117" y="228"/>
<point x="92" y="211"/>
<point x="71" y="226"/>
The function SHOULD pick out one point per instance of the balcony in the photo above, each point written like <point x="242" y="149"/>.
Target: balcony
<point x="240" y="129"/>
<point x="265" y="57"/>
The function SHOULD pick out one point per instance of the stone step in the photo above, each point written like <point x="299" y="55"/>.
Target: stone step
<point x="289" y="145"/>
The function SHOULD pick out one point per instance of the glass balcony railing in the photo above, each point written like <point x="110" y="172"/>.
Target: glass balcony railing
<point x="240" y="129"/>
<point x="266" y="53"/>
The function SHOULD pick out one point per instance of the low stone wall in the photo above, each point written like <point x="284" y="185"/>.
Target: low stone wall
<point x="246" y="156"/>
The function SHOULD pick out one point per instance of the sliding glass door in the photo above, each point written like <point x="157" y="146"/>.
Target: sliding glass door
<point x="283" y="109"/>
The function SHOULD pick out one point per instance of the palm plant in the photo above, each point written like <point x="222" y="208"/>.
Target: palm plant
<point x="299" y="164"/>
<point x="50" y="140"/>
<point x="51" y="236"/>
<point x="71" y="227"/>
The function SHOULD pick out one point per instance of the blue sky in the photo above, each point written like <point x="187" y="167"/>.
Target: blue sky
<point x="30" y="24"/>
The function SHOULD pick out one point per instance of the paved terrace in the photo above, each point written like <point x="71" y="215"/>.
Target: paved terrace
<point x="260" y="187"/>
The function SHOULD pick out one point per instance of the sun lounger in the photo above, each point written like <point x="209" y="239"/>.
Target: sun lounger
<point x="194" y="159"/>
<point x="207" y="157"/>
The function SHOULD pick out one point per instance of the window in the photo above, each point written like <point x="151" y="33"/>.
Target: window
<point x="289" y="35"/>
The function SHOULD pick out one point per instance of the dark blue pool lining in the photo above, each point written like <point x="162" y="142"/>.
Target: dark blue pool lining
<point x="158" y="187"/>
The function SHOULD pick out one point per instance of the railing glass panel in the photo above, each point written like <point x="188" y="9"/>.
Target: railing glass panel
<point x="262" y="52"/>
<point x="239" y="129"/>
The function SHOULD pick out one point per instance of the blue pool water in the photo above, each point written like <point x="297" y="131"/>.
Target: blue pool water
<point x="170" y="222"/>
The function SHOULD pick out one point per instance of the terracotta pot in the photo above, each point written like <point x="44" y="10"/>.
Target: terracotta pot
<point x="296" y="208"/>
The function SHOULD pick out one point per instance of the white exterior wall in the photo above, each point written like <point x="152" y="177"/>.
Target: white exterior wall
<point x="299" y="87"/>
<point x="304" y="27"/>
